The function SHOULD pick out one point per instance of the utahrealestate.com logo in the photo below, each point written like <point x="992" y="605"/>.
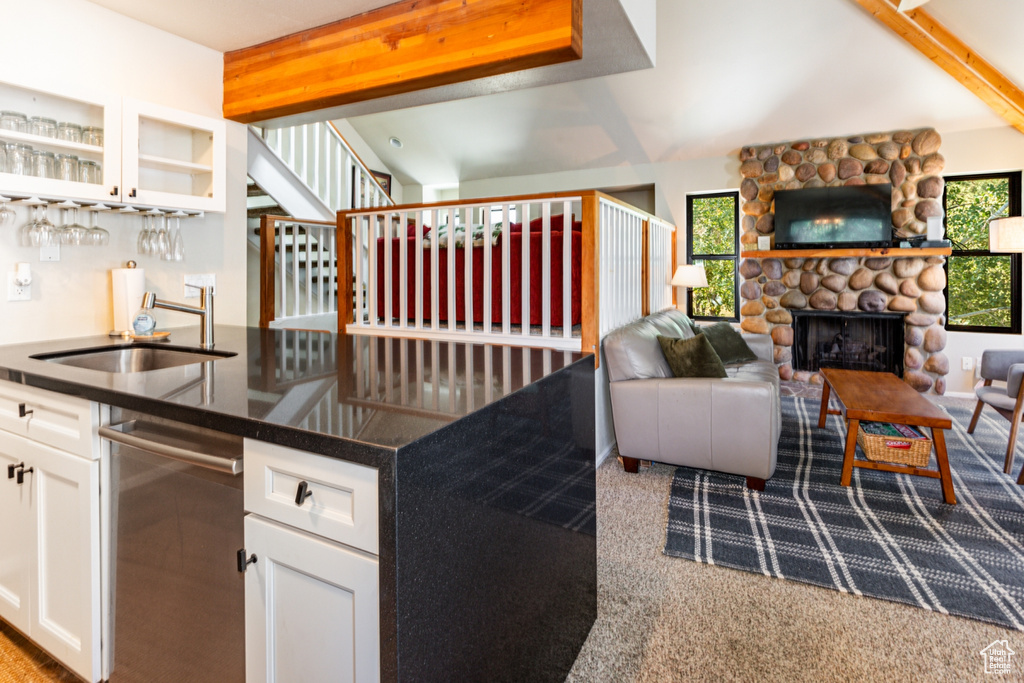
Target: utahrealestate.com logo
<point x="997" y="657"/>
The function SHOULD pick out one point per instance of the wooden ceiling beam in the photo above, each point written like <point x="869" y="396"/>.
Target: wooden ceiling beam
<point x="410" y="45"/>
<point x="938" y="44"/>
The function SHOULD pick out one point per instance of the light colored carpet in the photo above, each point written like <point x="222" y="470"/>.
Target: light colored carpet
<point x="668" y="619"/>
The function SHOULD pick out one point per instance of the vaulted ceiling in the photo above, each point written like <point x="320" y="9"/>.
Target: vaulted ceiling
<point x="728" y="72"/>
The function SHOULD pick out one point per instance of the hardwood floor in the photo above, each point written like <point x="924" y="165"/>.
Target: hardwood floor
<point x="23" y="662"/>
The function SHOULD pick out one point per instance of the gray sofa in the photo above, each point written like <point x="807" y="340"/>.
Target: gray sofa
<point x="727" y="425"/>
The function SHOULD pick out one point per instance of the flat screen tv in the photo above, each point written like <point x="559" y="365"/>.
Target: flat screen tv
<point x="854" y="216"/>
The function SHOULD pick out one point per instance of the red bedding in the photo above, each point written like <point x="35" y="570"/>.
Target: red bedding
<point x="516" y="279"/>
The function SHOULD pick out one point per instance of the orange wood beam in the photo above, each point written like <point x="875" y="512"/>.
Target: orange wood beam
<point x="938" y="44"/>
<point x="410" y="45"/>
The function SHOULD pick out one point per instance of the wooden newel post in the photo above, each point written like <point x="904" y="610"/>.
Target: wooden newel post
<point x="345" y="285"/>
<point x="267" y="295"/>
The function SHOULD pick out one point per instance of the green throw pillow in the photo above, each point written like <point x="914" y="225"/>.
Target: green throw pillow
<point x="728" y="343"/>
<point x="691" y="357"/>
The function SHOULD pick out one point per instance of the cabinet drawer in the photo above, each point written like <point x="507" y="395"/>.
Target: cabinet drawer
<point x="342" y="500"/>
<point x="57" y="420"/>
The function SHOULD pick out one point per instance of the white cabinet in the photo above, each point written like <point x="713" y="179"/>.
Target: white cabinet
<point x="50" y="573"/>
<point x="152" y="156"/>
<point x="172" y="158"/>
<point x="312" y="604"/>
<point x="311" y="608"/>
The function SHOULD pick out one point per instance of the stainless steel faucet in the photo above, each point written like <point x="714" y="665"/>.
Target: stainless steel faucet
<point x="204" y="311"/>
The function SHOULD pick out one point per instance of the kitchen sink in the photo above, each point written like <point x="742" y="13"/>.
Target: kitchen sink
<point x="132" y="357"/>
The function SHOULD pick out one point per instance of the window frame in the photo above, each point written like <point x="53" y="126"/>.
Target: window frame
<point x="1014" y="209"/>
<point x="734" y="257"/>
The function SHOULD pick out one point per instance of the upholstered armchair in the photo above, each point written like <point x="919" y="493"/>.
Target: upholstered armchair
<point x="1008" y="401"/>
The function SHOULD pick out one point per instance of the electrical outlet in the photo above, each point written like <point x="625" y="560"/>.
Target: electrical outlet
<point x="194" y="282"/>
<point x="16" y="292"/>
<point x="967" y="363"/>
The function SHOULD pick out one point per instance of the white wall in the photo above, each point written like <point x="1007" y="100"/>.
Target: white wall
<point x="44" y="45"/>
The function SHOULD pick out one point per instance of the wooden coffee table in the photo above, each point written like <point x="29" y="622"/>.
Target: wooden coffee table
<point x="884" y="397"/>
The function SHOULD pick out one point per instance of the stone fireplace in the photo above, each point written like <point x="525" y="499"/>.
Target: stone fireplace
<point x="900" y="283"/>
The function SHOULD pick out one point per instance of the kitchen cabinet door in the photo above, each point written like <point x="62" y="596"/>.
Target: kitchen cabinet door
<point x="66" y="574"/>
<point x="17" y="537"/>
<point x="65" y="102"/>
<point x="172" y="158"/>
<point x="311" y="608"/>
<point x="50" y="562"/>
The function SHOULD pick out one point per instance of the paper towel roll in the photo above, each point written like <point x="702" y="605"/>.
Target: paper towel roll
<point x="129" y="284"/>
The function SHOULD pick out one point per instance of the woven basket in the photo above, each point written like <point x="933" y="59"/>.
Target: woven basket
<point x="875" y="449"/>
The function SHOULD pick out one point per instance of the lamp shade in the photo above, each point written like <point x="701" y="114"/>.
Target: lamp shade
<point x="1006" y="234"/>
<point x="690" y="276"/>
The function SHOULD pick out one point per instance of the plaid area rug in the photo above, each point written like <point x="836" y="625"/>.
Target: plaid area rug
<point x="886" y="536"/>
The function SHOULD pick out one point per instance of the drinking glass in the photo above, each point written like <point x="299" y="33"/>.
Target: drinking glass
<point x="89" y="172"/>
<point x="97" y="237"/>
<point x="72" y="132"/>
<point x="42" y="126"/>
<point x="19" y="159"/>
<point x="72" y="233"/>
<point x="143" y="241"/>
<point x="44" y="164"/>
<point x="6" y="212"/>
<point x="177" y="242"/>
<point x="92" y="135"/>
<point x="13" y="120"/>
<point x="67" y="167"/>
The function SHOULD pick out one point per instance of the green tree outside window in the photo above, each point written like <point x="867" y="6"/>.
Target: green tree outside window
<point x="712" y="221"/>
<point x="983" y="288"/>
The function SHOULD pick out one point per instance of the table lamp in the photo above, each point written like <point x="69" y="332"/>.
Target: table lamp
<point x="690" y="276"/>
<point x="1006" y="234"/>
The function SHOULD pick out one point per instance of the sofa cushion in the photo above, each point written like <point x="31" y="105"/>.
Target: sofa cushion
<point x="633" y="352"/>
<point x="668" y="327"/>
<point x="693" y="357"/>
<point x="728" y="343"/>
<point x="681" y="319"/>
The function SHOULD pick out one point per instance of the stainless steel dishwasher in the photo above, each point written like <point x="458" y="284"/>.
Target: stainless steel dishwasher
<point x="177" y="597"/>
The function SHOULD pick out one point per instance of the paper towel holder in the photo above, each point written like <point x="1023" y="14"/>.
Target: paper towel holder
<point x="126" y="333"/>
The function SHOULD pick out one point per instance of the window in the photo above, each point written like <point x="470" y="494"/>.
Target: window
<point x="712" y="221"/>
<point x="982" y="287"/>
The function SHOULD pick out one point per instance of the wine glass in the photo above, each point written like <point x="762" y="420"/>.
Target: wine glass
<point x="97" y="236"/>
<point x="6" y="212"/>
<point x="177" y="242"/>
<point x="72" y="233"/>
<point x="143" y="242"/>
<point x="49" y="234"/>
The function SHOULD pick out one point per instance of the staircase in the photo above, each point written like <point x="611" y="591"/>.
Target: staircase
<point x="308" y="171"/>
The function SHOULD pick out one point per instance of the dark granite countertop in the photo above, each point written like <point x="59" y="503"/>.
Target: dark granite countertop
<point x="356" y="397"/>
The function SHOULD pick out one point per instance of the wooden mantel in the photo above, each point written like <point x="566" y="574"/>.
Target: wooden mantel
<point x="409" y="45"/>
<point x="890" y="252"/>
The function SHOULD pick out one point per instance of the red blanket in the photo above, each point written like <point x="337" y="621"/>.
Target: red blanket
<point x="516" y="279"/>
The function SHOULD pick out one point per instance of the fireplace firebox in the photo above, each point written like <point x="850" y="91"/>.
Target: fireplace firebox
<point x="851" y="341"/>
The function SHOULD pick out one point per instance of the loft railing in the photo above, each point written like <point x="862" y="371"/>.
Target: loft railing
<point x="597" y="276"/>
<point x="660" y="261"/>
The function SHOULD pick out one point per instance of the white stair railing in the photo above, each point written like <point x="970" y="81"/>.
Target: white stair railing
<point x="303" y="257"/>
<point x="321" y="157"/>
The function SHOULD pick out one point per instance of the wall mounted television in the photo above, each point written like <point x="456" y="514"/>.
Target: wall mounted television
<point x="853" y="216"/>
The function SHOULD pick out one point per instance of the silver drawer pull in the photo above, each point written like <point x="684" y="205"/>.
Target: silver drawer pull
<point x="130" y="434"/>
